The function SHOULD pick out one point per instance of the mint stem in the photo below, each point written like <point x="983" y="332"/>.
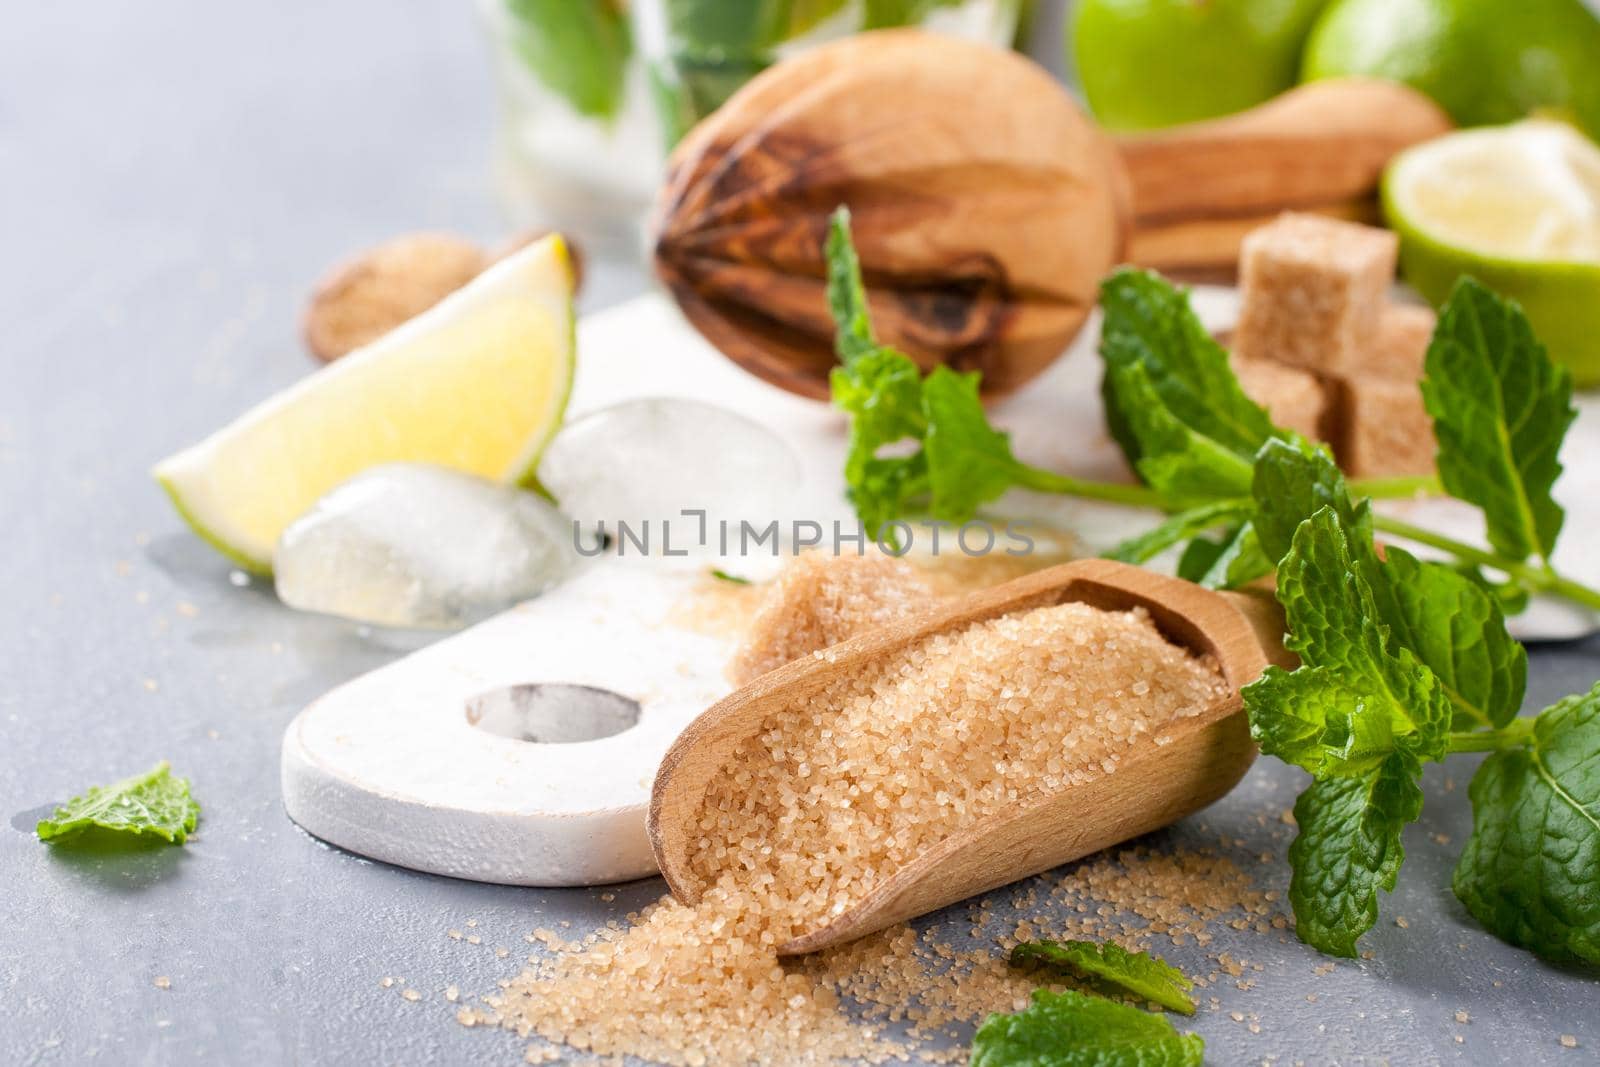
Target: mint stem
<point x="1137" y="496"/>
<point x="1396" y="488"/>
<point x="1538" y="579"/>
<point x="1510" y="735"/>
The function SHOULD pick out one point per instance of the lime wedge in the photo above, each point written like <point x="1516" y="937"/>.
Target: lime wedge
<point x="1518" y="208"/>
<point x="478" y="382"/>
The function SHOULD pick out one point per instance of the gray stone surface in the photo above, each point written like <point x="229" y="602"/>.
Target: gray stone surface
<point x="171" y="177"/>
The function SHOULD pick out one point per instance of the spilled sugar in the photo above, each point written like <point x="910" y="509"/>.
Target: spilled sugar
<point x="829" y="796"/>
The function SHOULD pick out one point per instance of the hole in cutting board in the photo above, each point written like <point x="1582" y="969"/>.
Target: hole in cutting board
<point x="553" y="713"/>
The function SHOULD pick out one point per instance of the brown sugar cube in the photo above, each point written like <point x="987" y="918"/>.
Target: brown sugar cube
<point x="1383" y="430"/>
<point x="1294" y="398"/>
<point x="1313" y="289"/>
<point x="1401" y="345"/>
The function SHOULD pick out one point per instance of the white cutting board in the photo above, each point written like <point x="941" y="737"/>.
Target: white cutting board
<point x="391" y="765"/>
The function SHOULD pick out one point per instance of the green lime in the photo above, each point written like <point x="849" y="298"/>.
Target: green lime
<point x="1484" y="61"/>
<point x="1145" y="64"/>
<point x="1518" y="208"/>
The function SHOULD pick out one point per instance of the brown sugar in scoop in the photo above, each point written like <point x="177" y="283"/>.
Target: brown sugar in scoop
<point x="959" y="749"/>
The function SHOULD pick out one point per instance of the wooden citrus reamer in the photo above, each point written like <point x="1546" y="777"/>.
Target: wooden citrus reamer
<point x="1205" y="757"/>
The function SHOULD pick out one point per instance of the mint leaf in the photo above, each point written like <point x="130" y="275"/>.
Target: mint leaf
<point x="579" y="50"/>
<point x="1457" y="627"/>
<point x="1238" y="562"/>
<point x="1180" y="527"/>
<point x="969" y="462"/>
<point x="847" y="296"/>
<point x="1500" y="409"/>
<point x="1347" y="849"/>
<point x="151" y="803"/>
<point x="1139" y="973"/>
<point x="1379" y="696"/>
<point x="1452" y="623"/>
<point x="732" y="579"/>
<point x="1293" y="480"/>
<point x="1531" y="868"/>
<point x="881" y="390"/>
<point x="1171" y="399"/>
<point x="1172" y="456"/>
<point x="1073" y="1029"/>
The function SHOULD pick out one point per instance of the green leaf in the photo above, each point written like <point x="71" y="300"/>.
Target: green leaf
<point x="880" y="13"/>
<point x="1458" y="629"/>
<point x="1238" y="561"/>
<point x="1347" y="849"/>
<point x="1179" y="527"/>
<point x="579" y="49"/>
<point x="1171" y="399"/>
<point x="732" y="579"/>
<point x="1500" y="409"/>
<point x="969" y="462"/>
<point x="1531" y="870"/>
<point x="1293" y="480"/>
<point x="1139" y="973"/>
<point x="1073" y="1029"/>
<point x="1451" y="624"/>
<point x="1379" y="695"/>
<point x="1173" y="457"/>
<point x="1202" y="554"/>
<point x="153" y="803"/>
<point x="847" y="295"/>
<point x="882" y="392"/>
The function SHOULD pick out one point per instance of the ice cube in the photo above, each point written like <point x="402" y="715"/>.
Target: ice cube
<point x="412" y="545"/>
<point x="641" y="464"/>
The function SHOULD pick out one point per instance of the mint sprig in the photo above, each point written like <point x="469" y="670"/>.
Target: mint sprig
<point x="154" y="803"/>
<point x="919" y="447"/>
<point x="1404" y="661"/>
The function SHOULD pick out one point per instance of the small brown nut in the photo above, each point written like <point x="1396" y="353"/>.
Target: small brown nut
<point x="985" y="209"/>
<point x="364" y="298"/>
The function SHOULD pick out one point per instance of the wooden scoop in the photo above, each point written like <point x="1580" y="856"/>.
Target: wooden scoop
<point x="1150" y="788"/>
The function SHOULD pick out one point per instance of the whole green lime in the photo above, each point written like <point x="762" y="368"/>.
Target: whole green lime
<point x="1484" y="61"/>
<point x="1145" y="64"/>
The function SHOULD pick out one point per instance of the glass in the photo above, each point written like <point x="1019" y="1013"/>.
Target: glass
<point x="594" y="92"/>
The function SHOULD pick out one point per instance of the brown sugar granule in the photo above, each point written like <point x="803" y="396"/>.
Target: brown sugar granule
<point x="819" y="600"/>
<point x="161" y="981"/>
<point x="828" y="795"/>
<point x="1568" y="1041"/>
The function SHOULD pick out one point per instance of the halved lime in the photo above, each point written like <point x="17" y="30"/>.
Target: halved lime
<point x="478" y="382"/>
<point x="1518" y="208"/>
